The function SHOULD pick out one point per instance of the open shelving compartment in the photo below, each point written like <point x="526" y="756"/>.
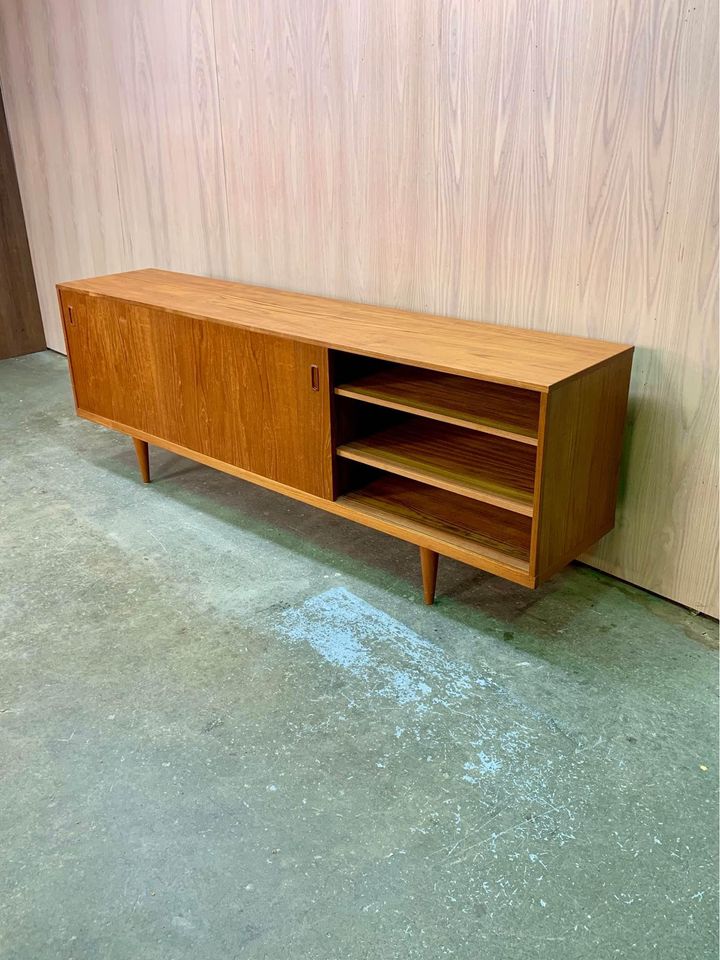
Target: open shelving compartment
<point x="439" y="455"/>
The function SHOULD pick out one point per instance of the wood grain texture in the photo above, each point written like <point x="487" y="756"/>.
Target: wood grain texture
<point x="20" y="322"/>
<point x="486" y="468"/>
<point x="53" y="63"/>
<point x="114" y="118"/>
<point x="429" y="567"/>
<point x="474" y="404"/>
<point x="493" y="532"/>
<point x="239" y="397"/>
<point x="581" y="446"/>
<point x="526" y="358"/>
<point x="143" y="458"/>
<point x="549" y="165"/>
<point x="166" y="136"/>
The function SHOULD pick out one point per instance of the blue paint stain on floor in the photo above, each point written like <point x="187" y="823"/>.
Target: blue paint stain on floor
<point x="498" y="798"/>
<point x="342" y="628"/>
<point x="447" y="706"/>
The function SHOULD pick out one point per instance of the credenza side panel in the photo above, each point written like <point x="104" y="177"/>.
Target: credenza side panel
<point x="582" y="446"/>
<point x="249" y="399"/>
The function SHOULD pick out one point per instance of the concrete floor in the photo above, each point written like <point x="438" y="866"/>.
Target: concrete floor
<point x="230" y="729"/>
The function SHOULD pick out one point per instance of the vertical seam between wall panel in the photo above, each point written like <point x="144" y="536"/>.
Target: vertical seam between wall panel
<point x="222" y="137"/>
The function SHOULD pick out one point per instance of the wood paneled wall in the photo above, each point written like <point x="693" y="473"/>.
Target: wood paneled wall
<point x="550" y="164"/>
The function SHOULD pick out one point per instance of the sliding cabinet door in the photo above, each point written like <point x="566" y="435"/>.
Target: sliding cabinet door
<point x="248" y="399"/>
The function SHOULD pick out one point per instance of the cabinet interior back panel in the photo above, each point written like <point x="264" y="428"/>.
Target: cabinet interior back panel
<point x="549" y="165"/>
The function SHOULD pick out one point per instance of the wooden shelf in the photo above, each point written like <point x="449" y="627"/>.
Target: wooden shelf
<point x="475" y="404"/>
<point x="491" y="534"/>
<point x="490" y="469"/>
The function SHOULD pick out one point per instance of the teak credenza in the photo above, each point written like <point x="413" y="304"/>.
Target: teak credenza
<point x="494" y="445"/>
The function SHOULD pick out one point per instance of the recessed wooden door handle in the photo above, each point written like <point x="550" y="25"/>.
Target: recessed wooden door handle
<point x="314" y="377"/>
<point x="71" y="319"/>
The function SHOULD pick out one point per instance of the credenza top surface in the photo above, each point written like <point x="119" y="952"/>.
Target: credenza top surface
<point x="512" y="355"/>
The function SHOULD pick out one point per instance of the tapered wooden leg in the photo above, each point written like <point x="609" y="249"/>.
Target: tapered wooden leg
<point x="429" y="564"/>
<point x="143" y="459"/>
